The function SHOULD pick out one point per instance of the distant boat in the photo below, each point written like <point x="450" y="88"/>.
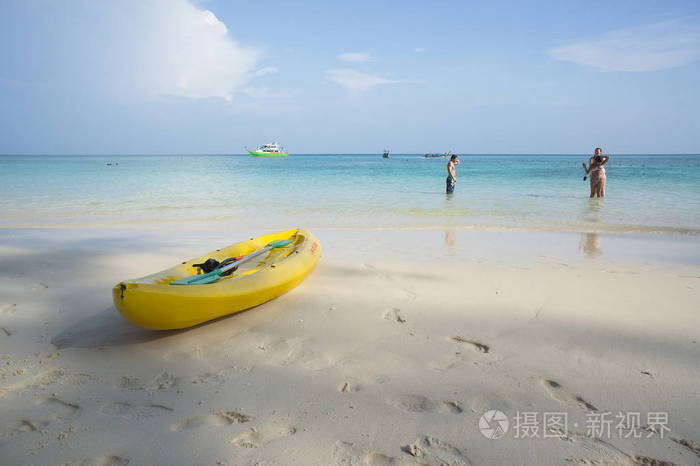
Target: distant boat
<point x="385" y="154"/>
<point x="432" y="156"/>
<point x="268" y="150"/>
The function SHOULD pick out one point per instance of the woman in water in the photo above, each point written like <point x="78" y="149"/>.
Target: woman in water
<point x="596" y="171"/>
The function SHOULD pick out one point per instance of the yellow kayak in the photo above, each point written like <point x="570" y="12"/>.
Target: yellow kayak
<point x="153" y="302"/>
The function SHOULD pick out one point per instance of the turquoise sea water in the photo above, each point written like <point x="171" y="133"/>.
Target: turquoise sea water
<point x="645" y="193"/>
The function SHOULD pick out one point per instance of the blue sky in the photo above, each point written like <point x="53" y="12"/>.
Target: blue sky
<point x="188" y="77"/>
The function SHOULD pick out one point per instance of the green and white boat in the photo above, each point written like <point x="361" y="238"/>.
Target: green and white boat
<point x="268" y="150"/>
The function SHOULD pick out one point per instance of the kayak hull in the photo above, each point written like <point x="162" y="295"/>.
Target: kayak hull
<point x="255" y="153"/>
<point x="152" y="303"/>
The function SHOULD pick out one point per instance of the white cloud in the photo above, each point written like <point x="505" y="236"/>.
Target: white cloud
<point x="264" y="71"/>
<point x="355" y="81"/>
<point x="419" y="49"/>
<point x="138" y="49"/>
<point x="356" y="57"/>
<point x="646" y="48"/>
<point x="188" y="51"/>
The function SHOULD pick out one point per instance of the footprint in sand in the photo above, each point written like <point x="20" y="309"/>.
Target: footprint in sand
<point x="130" y="383"/>
<point x="630" y="460"/>
<point x="425" y="451"/>
<point x="421" y="404"/>
<point x="107" y="460"/>
<point x="208" y="378"/>
<point x="129" y="411"/>
<point x="435" y="452"/>
<point x="380" y="459"/>
<point x="20" y="426"/>
<point x="8" y="309"/>
<point x="163" y="382"/>
<point x="394" y="315"/>
<point x="347" y="454"/>
<point x="219" y="418"/>
<point x="604" y="453"/>
<point x="558" y="393"/>
<point x="474" y="345"/>
<point x="448" y="363"/>
<point x="57" y="375"/>
<point x="689" y="444"/>
<point x="60" y="409"/>
<point x="47" y="357"/>
<point x="256" y="438"/>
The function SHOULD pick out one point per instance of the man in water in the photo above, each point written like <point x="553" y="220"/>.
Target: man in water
<point x="452" y="173"/>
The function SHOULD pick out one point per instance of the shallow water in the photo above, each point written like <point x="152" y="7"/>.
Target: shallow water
<point x="645" y="193"/>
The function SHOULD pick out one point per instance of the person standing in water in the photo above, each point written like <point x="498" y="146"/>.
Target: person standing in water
<point x="596" y="171"/>
<point x="452" y="173"/>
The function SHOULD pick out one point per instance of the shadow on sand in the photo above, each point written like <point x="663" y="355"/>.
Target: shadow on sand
<point x="105" y="328"/>
<point x="108" y="328"/>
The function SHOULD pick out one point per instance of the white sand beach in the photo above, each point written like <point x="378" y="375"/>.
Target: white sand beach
<point x="388" y="354"/>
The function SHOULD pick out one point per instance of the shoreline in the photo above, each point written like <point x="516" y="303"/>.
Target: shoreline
<point x="436" y="243"/>
<point x="229" y="222"/>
